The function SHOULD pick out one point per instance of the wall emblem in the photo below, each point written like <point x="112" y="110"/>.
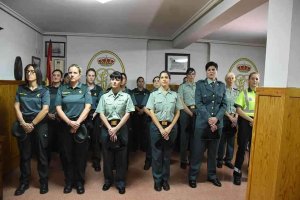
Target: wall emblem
<point x="242" y="67"/>
<point x="105" y="62"/>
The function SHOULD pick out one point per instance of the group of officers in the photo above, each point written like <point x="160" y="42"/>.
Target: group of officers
<point x="70" y="116"/>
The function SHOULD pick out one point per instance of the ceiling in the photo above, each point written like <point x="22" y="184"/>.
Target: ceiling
<point x="152" y="19"/>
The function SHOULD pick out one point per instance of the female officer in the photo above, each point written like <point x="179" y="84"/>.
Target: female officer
<point x="92" y="124"/>
<point x="230" y="124"/>
<point x="210" y="98"/>
<point x="31" y="106"/>
<point x="164" y="106"/>
<point x="73" y="104"/>
<point x="114" y="108"/>
<point x="245" y="104"/>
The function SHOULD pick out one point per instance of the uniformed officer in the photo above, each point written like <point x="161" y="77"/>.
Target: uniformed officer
<point x="210" y="98"/>
<point x="229" y="124"/>
<point x="139" y="117"/>
<point x="245" y="104"/>
<point x="164" y="106"/>
<point x="148" y="157"/>
<point x="53" y="121"/>
<point x="73" y="104"/>
<point x="114" y="108"/>
<point x="186" y="92"/>
<point x="93" y="125"/>
<point x="31" y="106"/>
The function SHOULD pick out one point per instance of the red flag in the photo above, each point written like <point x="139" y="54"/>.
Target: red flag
<point x="49" y="63"/>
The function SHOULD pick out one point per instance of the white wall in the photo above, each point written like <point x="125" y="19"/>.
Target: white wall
<point x="132" y="52"/>
<point x="226" y="54"/>
<point x="16" y="39"/>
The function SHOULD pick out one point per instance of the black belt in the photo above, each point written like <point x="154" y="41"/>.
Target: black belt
<point x="164" y="123"/>
<point x="114" y="122"/>
<point x="192" y="107"/>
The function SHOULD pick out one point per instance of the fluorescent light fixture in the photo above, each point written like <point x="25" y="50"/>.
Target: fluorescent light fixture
<point x="103" y="1"/>
<point x="181" y="60"/>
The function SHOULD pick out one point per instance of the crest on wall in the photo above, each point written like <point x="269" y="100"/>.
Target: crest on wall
<point x="242" y="67"/>
<point x="105" y="62"/>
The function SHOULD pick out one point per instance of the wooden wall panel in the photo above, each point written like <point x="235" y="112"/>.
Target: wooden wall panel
<point x="274" y="162"/>
<point x="7" y="117"/>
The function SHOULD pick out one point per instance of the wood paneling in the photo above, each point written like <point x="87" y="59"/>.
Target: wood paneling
<point x="1" y="167"/>
<point x="7" y="117"/>
<point x="275" y="163"/>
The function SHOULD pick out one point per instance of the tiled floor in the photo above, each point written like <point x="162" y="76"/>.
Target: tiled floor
<point x="139" y="184"/>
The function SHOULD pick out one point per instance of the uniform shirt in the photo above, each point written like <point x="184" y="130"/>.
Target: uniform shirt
<point x="187" y="92"/>
<point x="73" y="100"/>
<point x="53" y="92"/>
<point x="231" y="95"/>
<point x="96" y="94"/>
<point x="32" y="102"/>
<point x="115" y="106"/>
<point x="246" y="101"/>
<point x="129" y="91"/>
<point x="140" y="96"/>
<point x="164" y="105"/>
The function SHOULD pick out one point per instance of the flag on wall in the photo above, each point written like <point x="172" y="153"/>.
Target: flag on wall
<point x="49" y="64"/>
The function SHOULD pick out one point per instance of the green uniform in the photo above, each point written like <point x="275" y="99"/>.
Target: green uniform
<point x="31" y="103"/>
<point x="186" y="92"/>
<point x="114" y="107"/>
<point x="164" y="106"/>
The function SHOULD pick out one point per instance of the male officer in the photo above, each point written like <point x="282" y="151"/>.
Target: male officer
<point x="210" y="98"/>
<point x="186" y="92"/>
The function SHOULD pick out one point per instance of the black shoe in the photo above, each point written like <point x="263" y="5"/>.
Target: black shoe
<point x="165" y="185"/>
<point x="147" y="165"/>
<point x="68" y="188"/>
<point x="106" y="186"/>
<point x="229" y="165"/>
<point x="44" y="188"/>
<point x="216" y="182"/>
<point x="80" y="188"/>
<point x="192" y="183"/>
<point x="183" y="165"/>
<point x="121" y="190"/>
<point x="157" y="187"/>
<point x="219" y="164"/>
<point x="237" y="180"/>
<point x="21" y="189"/>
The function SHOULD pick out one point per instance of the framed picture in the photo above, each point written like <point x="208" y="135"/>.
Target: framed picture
<point x="36" y="61"/>
<point x="177" y="63"/>
<point x="59" y="64"/>
<point x="58" y="49"/>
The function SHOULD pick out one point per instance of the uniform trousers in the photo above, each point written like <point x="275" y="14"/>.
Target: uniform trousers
<point x="243" y="139"/>
<point x="115" y="158"/>
<point x="161" y="153"/>
<point x="186" y="133"/>
<point x="227" y="140"/>
<point x="148" y="140"/>
<point x="74" y="157"/>
<point x="37" y="142"/>
<point x="198" y="147"/>
<point x="54" y="137"/>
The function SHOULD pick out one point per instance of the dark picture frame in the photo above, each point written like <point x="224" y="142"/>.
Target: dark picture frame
<point x="36" y="61"/>
<point x="58" y="49"/>
<point x="177" y="63"/>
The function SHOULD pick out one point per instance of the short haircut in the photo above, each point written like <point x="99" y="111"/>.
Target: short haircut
<point x="252" y="73"/>
<point x="91" y="70"/>
<point x="190" y="70"/>
<point x="211" y="63"/>
<point x="123" y="74"/>
<point x="229" y="74"/>
<point x="65" y="75"/>
<point x="37" y="71"/>
<point x="75" y="65"/>
<point x="58" y="70"/>
<point x="155" y="78"/>
<point x="116" y="74"/>
<point x="140" y="77"/>
<point x="166" y="73"/>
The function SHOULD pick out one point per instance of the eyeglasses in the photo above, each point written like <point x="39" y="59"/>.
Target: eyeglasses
<point x="29" y="72"/>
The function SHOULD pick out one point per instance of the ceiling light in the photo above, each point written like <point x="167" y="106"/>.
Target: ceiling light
<point x="103" y="1"/>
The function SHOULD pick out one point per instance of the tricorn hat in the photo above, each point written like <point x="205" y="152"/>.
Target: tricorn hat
<point x="81" y="134"/>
